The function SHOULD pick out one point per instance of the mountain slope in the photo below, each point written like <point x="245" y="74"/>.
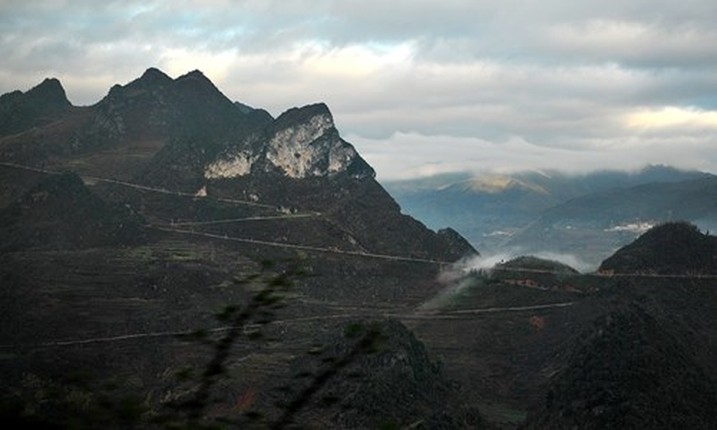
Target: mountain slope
<point x="225" y="193"/>
<point x="235" y="200"/>
<point x="61" y="213"/>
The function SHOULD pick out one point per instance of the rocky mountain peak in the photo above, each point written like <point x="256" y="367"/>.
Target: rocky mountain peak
<point x="50" y="92"/>
<point x="152" y="78"/>
<point x="196" y="79"/>
<point x="201" y="97"/>
<point x="154" y="73"/>
<point x="194" y="74"/>
<point x="301" y="143"/>
<point x="317" y="114"/>
<point x="40" y="105"/>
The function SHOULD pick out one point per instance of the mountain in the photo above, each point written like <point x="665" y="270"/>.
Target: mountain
<point x="135" y="122"/>
<point x="675" y="248"/>
<point x="489" y="209"/>
<point x="133" y="220"/>
<point x="184" y="135"/>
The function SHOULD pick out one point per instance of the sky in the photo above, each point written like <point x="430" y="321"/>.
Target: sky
<point x="420" y="87"/>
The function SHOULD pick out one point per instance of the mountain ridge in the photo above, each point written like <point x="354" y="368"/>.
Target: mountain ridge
<point x="185" y="135"/>
<point x="42" y="104"/>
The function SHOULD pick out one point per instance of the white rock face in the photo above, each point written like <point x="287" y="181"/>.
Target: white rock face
<point x="231" y="166"/>
<point x="300" y="151"/>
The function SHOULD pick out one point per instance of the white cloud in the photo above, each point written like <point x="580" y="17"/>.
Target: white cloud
<point x="672" y="117"/>
<point x="406" y="155"/>
<point x="636" y="42"/>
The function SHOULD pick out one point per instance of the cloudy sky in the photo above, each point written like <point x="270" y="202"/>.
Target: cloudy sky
<point x="418" y="86"/>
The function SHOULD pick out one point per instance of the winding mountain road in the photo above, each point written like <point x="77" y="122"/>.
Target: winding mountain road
<point x="297" y="246"/>
<point x="457" y="314"/>
<point x="90" y="178"/>
<point x="253" y="218"/>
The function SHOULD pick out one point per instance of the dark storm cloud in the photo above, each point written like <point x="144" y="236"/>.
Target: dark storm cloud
<point x="474" y="84"/>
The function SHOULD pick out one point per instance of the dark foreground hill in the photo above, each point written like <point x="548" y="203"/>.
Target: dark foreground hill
<point x="541" y="346"/>
<point x="389" y="380"/>
<point x="676" y="248"/>
<point x="632" y="369"/>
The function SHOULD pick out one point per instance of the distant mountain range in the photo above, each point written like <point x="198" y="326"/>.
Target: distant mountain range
<point x="587" y="216"/>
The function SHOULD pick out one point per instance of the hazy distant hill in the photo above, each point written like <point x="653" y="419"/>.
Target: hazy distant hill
<point x="489" y="209"/>
<point x="594" y="225"/>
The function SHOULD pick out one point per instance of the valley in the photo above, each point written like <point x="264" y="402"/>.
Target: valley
<point x="579" y="218"/>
